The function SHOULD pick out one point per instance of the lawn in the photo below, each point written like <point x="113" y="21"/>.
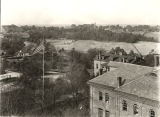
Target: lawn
<point x="84" y="45"/>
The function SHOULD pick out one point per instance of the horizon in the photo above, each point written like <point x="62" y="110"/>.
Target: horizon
<point x="65" y="25"/>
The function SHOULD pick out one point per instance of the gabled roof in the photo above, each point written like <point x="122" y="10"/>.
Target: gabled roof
<point x="140" y="80"/>
<point x="125" y="70"/>
<point x="145" y="86"/>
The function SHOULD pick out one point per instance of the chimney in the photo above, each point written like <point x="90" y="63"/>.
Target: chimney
<point x="123" y="60"/>
<point x="156" y="60"/>
<point x="99" y="56"/>
<point x="100" y="71"/>
<point x="120" y="81"/>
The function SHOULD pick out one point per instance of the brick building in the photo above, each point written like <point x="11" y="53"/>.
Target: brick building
<point x="128" y="90"/>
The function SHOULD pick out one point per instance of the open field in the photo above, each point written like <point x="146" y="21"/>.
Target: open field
<point x="84" y="45"/>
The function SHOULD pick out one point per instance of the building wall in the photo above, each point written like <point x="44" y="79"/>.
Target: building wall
<point x="95" y="103"/>
<point x="114" y="106"/>
<point x="97" y="66"/>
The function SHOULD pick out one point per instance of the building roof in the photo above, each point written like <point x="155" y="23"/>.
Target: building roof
<point x="145" y="86"/>
<point x="139" y="80"/>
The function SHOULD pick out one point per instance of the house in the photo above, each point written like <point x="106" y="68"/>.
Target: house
<point x="156" y="54"/>
<point x="101" y="61"/>
<point x="10" y="75"/>
<point x="51" y="76"/>
<point x="128" y="90"/>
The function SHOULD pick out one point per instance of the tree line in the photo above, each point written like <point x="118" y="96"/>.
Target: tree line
<point x="84" y="32"/>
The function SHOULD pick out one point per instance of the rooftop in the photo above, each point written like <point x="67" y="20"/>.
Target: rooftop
<point x="139" y="80"/>
<point x="145" y="86"/>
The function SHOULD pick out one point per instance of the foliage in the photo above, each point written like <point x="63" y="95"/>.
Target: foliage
<point x="117" y="51"/>
<point x="11" y="46"/>
<point x="114" y="33"/>
<point x="53" y="91"/>
<point x="78" y="57"/>
<point x="78" y="77"/>
<point x="149" y="60"/>
<point x="17" y="102"/>
<point x="51" y="57"/>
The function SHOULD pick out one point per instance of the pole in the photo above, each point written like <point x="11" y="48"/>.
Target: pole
<point x="43" y="73"/>
<point x="52" y="59"/>
<point x="0" y="17"/>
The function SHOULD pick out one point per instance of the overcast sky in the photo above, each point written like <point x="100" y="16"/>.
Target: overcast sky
<point x="50" y="12"/>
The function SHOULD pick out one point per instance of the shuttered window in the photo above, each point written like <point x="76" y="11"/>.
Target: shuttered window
<point x="135" y="109"/>
<point x="106" y="97"/>
<point x="107" y="113"/>
<point x="152" y="113"/>
<point x="100" y="96"/>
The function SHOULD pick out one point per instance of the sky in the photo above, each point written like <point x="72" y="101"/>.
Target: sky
<point x="55" y="12"/>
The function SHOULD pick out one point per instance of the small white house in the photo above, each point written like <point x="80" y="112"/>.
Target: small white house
<point x="10" y="74"/>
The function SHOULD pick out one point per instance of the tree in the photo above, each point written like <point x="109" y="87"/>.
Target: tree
<point x="131" y="53"/>
<point x="112" y="51"/>
<point x="11" y="46"/>
<point x="149" y="60"/>
<point x="24" y="96"/>
<point x="17" y="102"/>
<point x="51" y="56"/>
<point x="78" y="78"/>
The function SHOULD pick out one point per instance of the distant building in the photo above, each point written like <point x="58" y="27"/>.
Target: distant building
<point x="156" y="54"/>
<point x="10" y="75"/>
<point x="128" y="90"/>
<point x="101" y="61"/>
<point x="51" y="76"/>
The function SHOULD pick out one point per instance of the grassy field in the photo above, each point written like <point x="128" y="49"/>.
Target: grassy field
<point x="84" y="45"/>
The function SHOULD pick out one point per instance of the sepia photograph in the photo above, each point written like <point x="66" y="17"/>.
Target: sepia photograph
<point x="80" y="58"/>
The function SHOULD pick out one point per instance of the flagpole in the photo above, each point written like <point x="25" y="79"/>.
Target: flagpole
<point x="43" y="72"/>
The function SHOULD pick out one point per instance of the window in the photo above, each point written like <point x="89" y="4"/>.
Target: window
<point x="135" y="109"/>
<point x="100" y="96"/>
<point x="104" y="69"/>
<point x="100" y="112"/>
<point x="100" y="71"/>
<point x="106" y="97"/>
<point x="124" y="105"/>
<point x="107" y="113"/>
<point x="152" y="113"/>
<point x="97" y="66"/>
<point x="157" y="60"/>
